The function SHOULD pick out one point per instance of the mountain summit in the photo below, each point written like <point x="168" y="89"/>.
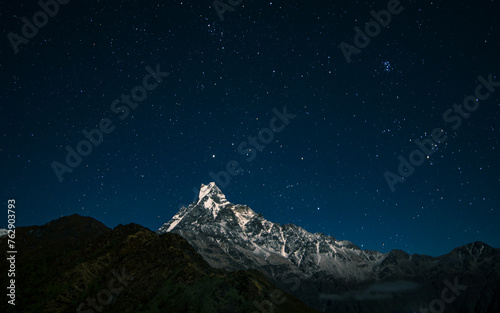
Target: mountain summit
<point x="328" y="274"/>
<point x="212" y="192"/>
<point x="210" y="204"/>
<point x="257" y="242"/>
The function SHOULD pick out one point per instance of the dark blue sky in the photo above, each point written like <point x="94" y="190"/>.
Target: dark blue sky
<point x="324" y="171"/>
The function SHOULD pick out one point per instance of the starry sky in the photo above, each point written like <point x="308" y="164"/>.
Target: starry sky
<point x="216" y="81"/>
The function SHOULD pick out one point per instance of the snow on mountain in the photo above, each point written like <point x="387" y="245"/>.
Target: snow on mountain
<point x="316" y="267"/>
<point x="234" y="237"/>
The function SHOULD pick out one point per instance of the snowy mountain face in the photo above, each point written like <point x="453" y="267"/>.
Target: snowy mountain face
<point x="234" y="237"/>
<point x="247" y="240"/>
<point x="313" y="267"/>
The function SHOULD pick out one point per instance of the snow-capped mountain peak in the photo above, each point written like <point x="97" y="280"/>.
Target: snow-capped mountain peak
<point x="210" y="194"/>
<point x="210" y="202"/>
<point x="212" y="199"/>
<point x="235" y="237"/>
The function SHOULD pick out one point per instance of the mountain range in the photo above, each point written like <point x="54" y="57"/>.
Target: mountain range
<point x="216" y="256"/>
<point x="333" y="275"/>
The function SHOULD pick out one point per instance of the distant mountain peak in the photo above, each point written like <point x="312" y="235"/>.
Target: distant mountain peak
<point x="211" y="198"/>
<point x="236" y="237"/>
<point x="210" y="202"/>
<point x="211" y="191"/>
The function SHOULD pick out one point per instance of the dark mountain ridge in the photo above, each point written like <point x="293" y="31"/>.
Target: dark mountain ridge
<point x="76" y="264"/>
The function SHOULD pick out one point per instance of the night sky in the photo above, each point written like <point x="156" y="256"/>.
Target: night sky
<point x="216" y="82"/>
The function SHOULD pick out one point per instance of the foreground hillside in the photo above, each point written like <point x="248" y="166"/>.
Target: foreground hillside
<point x="76" y="264"/>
